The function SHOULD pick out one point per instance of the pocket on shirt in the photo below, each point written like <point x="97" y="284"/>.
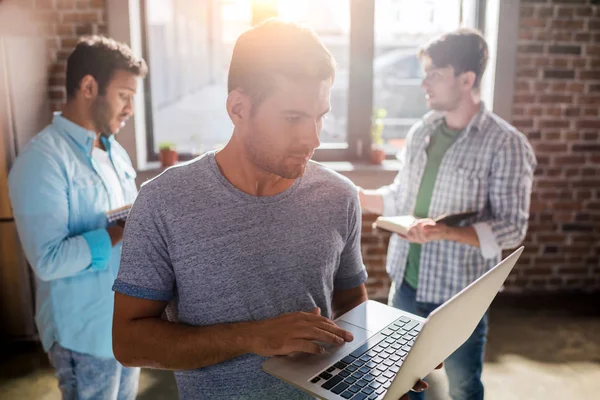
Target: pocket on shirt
<point x="470" y="183"/>
<point x="88" y="200"/>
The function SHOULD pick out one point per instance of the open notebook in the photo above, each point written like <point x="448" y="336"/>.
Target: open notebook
<point x="118" y="213"/>
<point x="402" y="223"/>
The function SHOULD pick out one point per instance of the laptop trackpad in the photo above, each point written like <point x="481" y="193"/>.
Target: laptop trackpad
<point x="360" y="335"/>
<point x="324" y="360"/>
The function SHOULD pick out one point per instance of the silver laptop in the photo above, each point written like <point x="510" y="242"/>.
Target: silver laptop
<point x="392" y="349"/>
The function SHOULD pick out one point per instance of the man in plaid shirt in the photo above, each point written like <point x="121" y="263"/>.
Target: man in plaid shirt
<point x="458" y="158"/>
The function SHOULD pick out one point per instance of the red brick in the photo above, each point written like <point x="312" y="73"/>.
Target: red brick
<point x="589" y="100"/>
<point x="552" y="135"/>
<point x="57" y="94"/>
<point x="57" y="81"/>
<point x="568" y="160"/>
<point x="557" y="124"/>
<point x="588" y="124"/>
<point x="81" y="17"/>
<point x="572" y="111"/>
<point x="545" y="11"/>
<point x="68" y="43"/>
<point x="559" y="86"/>
<point x="49" y="16"/>
<point x="64" y="29"/>
<point x="572" y="25"/>
<point x="535" y="111"/>
<point x="576" y="87"/>
<point x="65" y="4"/>
<point x="518" y="111"/>
<point x="559" y="62"/>
<point x="590" y="74"/>
<point x="524" y="99"/>
<point x="565" y="12"/>
<point x="522" y="85"/>
<point x="44" y="4"/>
<point x="533" y="23"/>
<point x="84" y="30"/>
<point x="583" y="11"/>
<point x="526" y="12"/>
<point x="555" y="98"/>
<point x="583" y="37"/>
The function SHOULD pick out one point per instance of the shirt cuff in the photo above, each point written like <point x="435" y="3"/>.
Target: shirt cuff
<point x="351" y="282"/>
<point x="389" y="202"/>
<point x="487" y="240"/>
<point x="100" y="247"/>
<point x="141" y="292"/>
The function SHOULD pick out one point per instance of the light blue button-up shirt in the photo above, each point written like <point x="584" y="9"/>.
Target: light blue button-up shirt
<point x="59" y="200"/>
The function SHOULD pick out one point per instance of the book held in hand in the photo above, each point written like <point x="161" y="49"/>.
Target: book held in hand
<point x="402" y="223"/>
<point x="118" y="214"/>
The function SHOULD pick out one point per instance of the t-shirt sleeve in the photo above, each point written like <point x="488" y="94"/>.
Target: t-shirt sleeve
<point x="351" y="272"/>
<point x="146" y="271"/>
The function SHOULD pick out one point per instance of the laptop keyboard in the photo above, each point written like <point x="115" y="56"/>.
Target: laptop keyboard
<point x="368" y="371"/>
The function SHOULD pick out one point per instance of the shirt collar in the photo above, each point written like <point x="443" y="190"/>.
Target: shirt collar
<point x="81" y="136"/>
<point x="435" y="119"/>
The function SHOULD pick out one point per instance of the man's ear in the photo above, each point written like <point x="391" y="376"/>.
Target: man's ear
<point x="467" y="80"/>
<point x="88" y="87"/>
<point x="239" y="106"/>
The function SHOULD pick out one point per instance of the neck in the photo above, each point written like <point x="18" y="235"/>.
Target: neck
<point x="459" y="117"/>
<point x="76" y="114"/>
<point x="236" y="166"/>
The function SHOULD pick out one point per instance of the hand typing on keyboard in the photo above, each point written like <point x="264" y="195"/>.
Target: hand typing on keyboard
<point x="296" y="332"/>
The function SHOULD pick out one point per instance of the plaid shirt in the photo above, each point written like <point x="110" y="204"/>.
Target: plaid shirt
<point x="488" y="169"/>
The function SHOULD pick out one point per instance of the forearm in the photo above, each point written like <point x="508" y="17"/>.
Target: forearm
<point x="464" y="235"/>
<point x="371" y="201"/>
<point x="160" y="344"/>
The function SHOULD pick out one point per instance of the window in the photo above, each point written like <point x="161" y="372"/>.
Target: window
<point x="401" y="26"/>
<point x="188" y="45"/>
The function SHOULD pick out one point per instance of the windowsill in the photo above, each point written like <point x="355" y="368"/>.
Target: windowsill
<point x="362" y="174"/>
<point x="338" y="166"/>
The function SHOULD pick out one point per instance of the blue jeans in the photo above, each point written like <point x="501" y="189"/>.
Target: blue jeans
<point x="85" y="377"/>
<point x="464" y="366"/>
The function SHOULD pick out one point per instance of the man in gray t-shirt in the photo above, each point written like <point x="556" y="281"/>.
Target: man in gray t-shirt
<point x="220" y="255"/>
<point x="251" y="250"/>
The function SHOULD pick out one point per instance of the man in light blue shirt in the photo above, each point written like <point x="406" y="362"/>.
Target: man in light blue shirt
<point x="61" y="186"/>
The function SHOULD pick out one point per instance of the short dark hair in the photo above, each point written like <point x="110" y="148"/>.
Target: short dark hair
<point x="464" y="49"/>
<point x="277" y="48"/>
<point x="100" y="57"/>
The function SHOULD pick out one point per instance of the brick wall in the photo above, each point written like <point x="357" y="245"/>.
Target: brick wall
<point x="63" y="22"/>
<point x="557" y="105"/>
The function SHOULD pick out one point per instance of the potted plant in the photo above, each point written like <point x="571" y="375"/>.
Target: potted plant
<point x="377" y="152"/>
<point x="167" y="154"/>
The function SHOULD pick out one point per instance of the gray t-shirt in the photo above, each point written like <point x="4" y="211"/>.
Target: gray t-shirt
<point x="220" y="255"/>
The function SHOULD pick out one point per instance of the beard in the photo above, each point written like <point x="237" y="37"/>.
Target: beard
<point x="454" y="99"/>
<point x="101" y="115"/>
<point x="267" y="157"/>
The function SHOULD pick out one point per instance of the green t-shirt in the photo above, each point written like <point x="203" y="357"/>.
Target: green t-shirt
<point x="440" y="142"/>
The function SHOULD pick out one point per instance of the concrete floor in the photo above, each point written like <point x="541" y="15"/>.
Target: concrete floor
<point x="549" y="350"/>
